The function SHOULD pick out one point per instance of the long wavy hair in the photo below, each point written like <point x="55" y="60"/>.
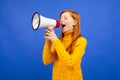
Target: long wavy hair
<point x="76" y="28"/>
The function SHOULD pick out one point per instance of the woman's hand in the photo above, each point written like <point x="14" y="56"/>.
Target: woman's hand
<point x="50" y="34"/>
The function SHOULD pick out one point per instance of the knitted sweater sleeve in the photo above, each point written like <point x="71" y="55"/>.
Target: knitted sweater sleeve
<point x="75" y="56"/>
<point x="48" y="53"/>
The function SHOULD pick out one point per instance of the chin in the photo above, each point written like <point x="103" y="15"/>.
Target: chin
<point x="64" y="31"/>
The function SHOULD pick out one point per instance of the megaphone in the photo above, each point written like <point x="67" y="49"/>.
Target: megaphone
<point x="39" y="21"/>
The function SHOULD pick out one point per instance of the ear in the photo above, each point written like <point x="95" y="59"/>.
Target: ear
<point x="75" y="22"/>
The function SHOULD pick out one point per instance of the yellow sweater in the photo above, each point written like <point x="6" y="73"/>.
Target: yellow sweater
<point x="66" y="66"/>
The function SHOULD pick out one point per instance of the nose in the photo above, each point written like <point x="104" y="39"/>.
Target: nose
<point x="61" y="21"/>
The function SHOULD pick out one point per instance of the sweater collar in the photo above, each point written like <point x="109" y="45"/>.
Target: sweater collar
<point x="68" y="35"/>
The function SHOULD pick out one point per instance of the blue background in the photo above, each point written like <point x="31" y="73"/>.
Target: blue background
<point x="21" y="47"/>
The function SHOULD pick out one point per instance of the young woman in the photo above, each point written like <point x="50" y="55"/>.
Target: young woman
<point x="67" y="51"/>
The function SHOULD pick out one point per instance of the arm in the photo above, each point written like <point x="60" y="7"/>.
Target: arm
<point x="49" y="51"/>
<point x="76" y="55"/>
<point x="47" y="56"/>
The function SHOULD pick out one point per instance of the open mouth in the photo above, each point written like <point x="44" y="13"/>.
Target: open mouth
<point x="63" y="25"/>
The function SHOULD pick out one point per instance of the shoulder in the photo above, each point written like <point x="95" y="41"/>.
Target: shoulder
<point x="81" y="42"/>
<point x="81" y="39"/>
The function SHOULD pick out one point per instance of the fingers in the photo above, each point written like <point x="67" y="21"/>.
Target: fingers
<point x="50" y="28"/>
<point x="49" y="31"/>
<point x="49" y="34"/>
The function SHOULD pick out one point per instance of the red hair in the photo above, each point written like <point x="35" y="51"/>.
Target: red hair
<point x="76" y="29"/>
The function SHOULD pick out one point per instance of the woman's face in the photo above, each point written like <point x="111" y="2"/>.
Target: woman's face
<point x="67" y="22"/>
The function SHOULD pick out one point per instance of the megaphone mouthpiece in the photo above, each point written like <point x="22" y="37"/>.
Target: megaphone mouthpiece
<point x="57" y="23"/>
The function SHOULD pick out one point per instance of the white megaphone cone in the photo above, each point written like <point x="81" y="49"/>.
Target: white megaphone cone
<point x="39" y="21"/>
